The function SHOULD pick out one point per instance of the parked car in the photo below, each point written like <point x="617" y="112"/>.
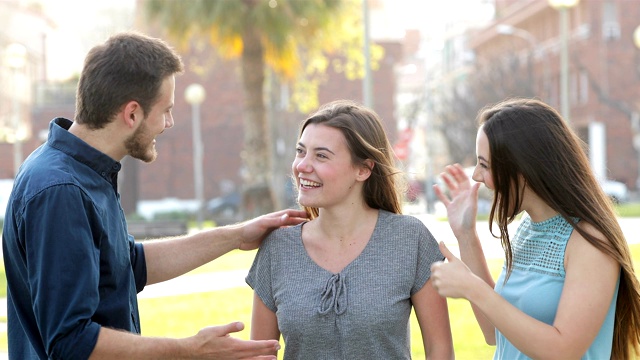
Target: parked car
<point x="225" y="208"/>
<point x="617" y="191"/>
<point x="167" y="208"/>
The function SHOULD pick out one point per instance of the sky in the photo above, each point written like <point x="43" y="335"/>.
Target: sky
<point x="84" y="23"/>
<point x="433" y="16"/>
<point x="80" y="24"/>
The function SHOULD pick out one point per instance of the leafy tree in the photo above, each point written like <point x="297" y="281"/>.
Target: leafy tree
<point x="291" y="37"/>
<point x="455" y="104"/>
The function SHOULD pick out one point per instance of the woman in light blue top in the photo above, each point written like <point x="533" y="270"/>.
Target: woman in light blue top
<point x="568" y="289"/>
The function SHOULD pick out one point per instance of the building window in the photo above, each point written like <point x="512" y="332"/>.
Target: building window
<point x="610" y="24"/>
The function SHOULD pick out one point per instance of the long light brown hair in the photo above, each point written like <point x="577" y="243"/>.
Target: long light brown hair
<point x="366" y="139"/>
<point x="529" y="142"/>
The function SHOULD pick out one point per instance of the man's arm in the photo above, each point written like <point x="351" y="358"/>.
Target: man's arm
<point x="169" y="258"/>
<point x="209" y="343"/>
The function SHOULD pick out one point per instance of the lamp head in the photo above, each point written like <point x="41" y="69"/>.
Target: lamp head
<point x="15" y="56"/>
<point x="194" y="94"/>
<point x="563" y="4"/>
<point x="505" y="29"/>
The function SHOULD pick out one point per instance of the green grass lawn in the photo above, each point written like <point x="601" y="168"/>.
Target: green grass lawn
<point x="182" y="316"/>
<point x="628" y="209"/>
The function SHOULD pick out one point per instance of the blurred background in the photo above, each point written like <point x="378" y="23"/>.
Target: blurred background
<point x="255" y="69"/>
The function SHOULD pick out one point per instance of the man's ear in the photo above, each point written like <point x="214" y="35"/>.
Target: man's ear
<point x="132" y="114"/>
<point x="365" y="169"/>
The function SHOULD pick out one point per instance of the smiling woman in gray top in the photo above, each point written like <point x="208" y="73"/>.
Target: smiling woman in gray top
<point x="342" y="285"/>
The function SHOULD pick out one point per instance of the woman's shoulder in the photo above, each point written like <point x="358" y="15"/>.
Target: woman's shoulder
<point x="579" y="241"/>
<point x="400" y="219"/>
<point x="283" y="236"/>
<point x="402" y="226"/>
<point x="408" y="232"/>
<point x="581" y="254"/>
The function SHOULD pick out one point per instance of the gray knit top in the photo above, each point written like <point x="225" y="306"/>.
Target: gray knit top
<point x="360" y="313"/>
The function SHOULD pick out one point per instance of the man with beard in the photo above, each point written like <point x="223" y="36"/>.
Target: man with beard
<point x="73" y="271"/>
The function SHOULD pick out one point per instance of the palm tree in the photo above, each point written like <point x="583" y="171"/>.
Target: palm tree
<point x="273" y="33"/>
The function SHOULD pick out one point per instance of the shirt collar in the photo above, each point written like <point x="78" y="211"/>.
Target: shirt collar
<point x="61" y="139"/>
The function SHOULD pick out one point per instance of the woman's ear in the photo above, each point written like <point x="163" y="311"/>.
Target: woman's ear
<point x="365" y="169"/>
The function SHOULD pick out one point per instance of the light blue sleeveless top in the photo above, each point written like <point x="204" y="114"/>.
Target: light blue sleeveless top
<point x="536" y="283"/>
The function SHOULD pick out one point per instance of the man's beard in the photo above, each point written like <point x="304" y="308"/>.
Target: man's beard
<point x="140" y="144"/>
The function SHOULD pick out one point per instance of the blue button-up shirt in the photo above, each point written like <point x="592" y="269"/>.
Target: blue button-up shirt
<point x="71" y="266"/>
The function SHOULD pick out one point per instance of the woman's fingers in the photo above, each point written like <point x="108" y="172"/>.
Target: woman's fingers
<point x="461" y="178"/>
<point x="440" y="194"/>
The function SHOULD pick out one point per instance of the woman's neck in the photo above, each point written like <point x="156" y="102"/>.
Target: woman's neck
<point x="345" y="223"/>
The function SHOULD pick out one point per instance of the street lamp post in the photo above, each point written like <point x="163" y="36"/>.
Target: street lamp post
<point x="16" y="59"/>
<point x="195" y="94"/>
<point x="563" y="6"/>
<point x="367" y="82"/>
<point x="635" y="123"/>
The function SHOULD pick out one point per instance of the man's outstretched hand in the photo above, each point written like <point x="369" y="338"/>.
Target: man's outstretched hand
<point x="216" y="343"/>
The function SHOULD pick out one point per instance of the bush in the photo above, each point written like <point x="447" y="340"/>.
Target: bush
<point x="628" y="209"/>
<point x="135" y="217"/>
<point x="174" y="215"/>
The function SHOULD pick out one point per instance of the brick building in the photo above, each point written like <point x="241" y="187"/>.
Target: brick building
<point x="221" y="126"/>
<point x="603" y="70"/>
<point x="222" y="131"/>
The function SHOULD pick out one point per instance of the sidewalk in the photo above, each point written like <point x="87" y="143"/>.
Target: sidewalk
<point x="197" y="283"/>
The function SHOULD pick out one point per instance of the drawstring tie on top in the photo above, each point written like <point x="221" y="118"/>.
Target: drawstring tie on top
<point x="334" y="296"/>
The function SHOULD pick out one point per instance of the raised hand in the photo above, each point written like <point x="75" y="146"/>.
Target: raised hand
<point x="462" y="206"/>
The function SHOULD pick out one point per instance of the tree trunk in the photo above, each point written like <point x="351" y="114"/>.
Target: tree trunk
<point x="256" y="156"/>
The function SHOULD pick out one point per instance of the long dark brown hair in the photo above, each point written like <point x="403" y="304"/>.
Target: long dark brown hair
<point x="531" y="145"/>
<point x="366" y="139"/>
